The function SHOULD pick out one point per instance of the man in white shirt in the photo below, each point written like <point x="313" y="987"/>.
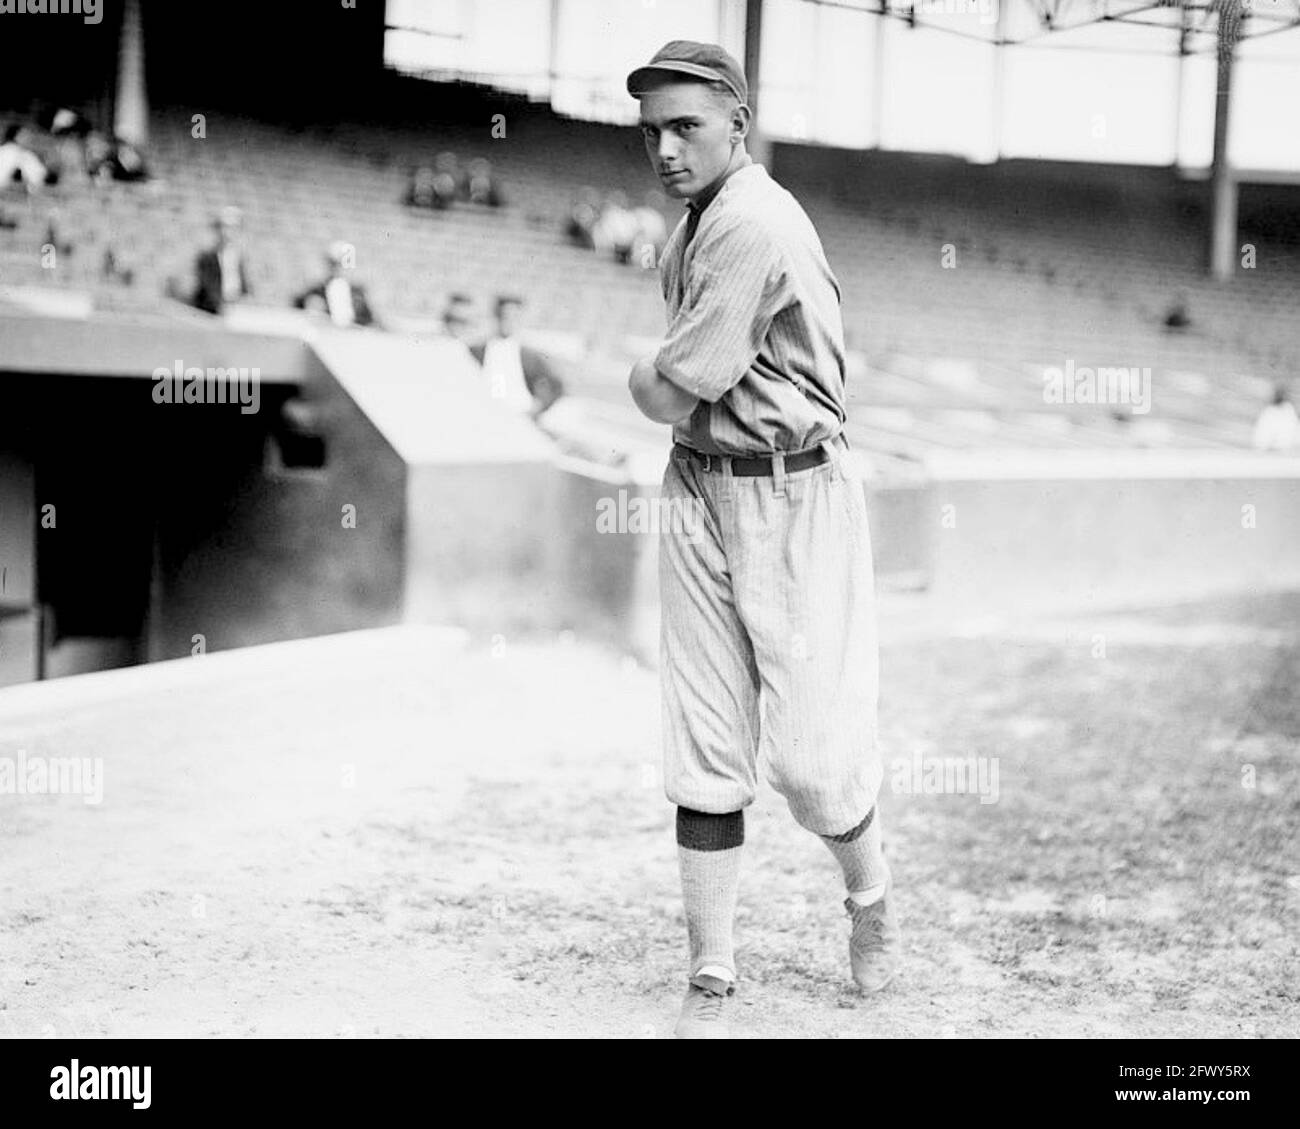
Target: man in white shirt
<point x="652" y="232"/>
<point x="344" y="300"/>
<point x="17" y="158"/>
<point x="518" y="376"/>
<point x="617" y="228"/>
<point x="232" y="287"/>
<point x="1277" y="428"/>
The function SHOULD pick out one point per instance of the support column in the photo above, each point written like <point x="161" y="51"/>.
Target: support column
<point x="1180" y="83"/>
<point x="878" y="78"/>
<point x="999" y="82"/>
<point x="553" y="52"/>
<point x="131" y="117"/>
<point x="760" y="148"/>
<point x="1223" y="228"/>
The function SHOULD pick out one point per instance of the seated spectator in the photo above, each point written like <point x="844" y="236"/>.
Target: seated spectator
<point x="584" y="214"/>
<point x="1177" y="316"/>
<point x="518" y="375"/>
<point x="437" y="188"/>
<point x="343" y="300"/>
<point x="128" y="162"/>
<point x="422" y="192"/>
<point x="18" y="161"/>
<point x="69" y="132"/>
<point x="57" y="137"/>
<point x="459" y="318"/>
<point x="65" y="122"/>
<point x="1277" y="428"/>
<point x="51" y="151"/>
<point x="314" y="303"/>
<point x="449" y="180"/>
<point x="96" y="153"/>
<point x="482" y="186"/>
<point x="113" y="159"/>
<point x="651" y="231"/>
<point x="113" y="269"/>
<point x="222" y="270"/>
<point x="616" y="230"/>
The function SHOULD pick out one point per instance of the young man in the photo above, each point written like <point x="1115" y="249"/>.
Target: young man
<point x="519" y="376"/>
<point x="222" y="270"/>
<point x="344" y="300"/>
<point x="773" y="593"/>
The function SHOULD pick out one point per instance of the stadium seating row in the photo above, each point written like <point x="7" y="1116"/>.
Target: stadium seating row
<point x="960" y="285"/>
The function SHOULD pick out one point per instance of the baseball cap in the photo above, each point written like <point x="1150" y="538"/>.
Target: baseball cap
<point x="701" y="60"/>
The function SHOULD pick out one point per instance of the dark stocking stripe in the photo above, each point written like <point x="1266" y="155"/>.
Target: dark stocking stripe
<point x="699" y="831"/>
<point x="849" y="836"/>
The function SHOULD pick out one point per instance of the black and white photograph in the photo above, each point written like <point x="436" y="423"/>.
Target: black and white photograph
<point x="651" y="519"/>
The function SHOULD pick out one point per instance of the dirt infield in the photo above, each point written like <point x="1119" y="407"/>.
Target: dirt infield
<point x="397" y="833"/>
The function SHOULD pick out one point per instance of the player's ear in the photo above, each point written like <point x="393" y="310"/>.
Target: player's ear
<point x="740" y="119"/>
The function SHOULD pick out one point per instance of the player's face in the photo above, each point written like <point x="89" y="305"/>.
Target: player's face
<point x="688" y="131"/>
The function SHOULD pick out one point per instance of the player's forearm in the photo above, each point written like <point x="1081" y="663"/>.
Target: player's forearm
<point x="658" y="397"/>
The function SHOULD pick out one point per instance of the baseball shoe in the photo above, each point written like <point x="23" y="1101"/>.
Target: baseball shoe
<point x="874" y="942"/>
<point x="704" y="1011"/>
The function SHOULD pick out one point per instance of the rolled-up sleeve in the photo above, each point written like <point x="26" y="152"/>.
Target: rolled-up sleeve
<point x="737" y="285"/>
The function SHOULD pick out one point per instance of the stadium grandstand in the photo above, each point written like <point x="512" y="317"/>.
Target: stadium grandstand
<point x="972" y="259"/>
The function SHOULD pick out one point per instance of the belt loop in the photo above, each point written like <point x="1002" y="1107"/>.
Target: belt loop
<point x="778" y="475"/>
<point x="726" y="465"/>
<point x="834" y="454"/>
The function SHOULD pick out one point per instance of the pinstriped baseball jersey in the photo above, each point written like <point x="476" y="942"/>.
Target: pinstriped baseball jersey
<point x="754" y="323"/>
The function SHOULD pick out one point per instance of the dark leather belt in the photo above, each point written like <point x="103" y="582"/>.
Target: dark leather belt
<point x="754" y="467"/>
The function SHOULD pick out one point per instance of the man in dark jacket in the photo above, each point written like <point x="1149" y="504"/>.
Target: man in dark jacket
<point x="222" y="272"/>
<point x="344" y="300"/>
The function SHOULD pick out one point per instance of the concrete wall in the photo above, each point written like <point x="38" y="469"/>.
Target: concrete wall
<point x="17" y="529"/>
<point x="1101" y="542"/>
<point x="19" y="647"/>
<point x="19" y="623"/>
<point x="479" y="481"/>
<point x="450" y="498"/>
<point x="607" y="584"/>
<point x="238" y="552"/>
<point x="477" y="545"/>
<point x="901" y="542"/>
<point x="106" y="345"/>
<point x="268" y="556"/>
<point x="1104" y="531"/>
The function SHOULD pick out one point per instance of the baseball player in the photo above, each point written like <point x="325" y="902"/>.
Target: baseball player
<point x="768" y="634"/>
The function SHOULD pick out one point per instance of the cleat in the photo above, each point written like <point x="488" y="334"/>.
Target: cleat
<point x="874" y="943"/>
<point x="704" y="1011"/>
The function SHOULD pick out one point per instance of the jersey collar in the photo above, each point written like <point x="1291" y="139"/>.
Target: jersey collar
<point x="710" y="194"/>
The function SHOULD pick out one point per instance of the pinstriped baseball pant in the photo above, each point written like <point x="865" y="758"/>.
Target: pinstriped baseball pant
<point x="768" y="642"/>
